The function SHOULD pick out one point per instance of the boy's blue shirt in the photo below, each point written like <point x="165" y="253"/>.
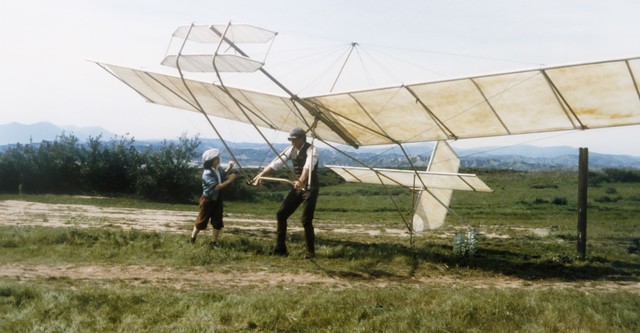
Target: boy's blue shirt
<point x="210" y="181"/>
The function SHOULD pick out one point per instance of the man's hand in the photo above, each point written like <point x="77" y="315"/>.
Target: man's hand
<point x="257" y="180"/>
<point x="298" y="185"/>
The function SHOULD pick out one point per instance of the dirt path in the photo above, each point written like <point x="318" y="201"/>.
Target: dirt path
<point x="198" y="278"/>
<point x="22" y="213"/>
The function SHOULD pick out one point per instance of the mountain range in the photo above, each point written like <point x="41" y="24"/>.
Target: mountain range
<point x="13" y="133"/>
<point x="520" y="157"/>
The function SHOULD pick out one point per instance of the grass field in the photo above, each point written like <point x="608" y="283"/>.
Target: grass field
<point x="84" y="264"/>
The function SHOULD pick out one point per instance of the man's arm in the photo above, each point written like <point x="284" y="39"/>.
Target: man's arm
<point x="299" y="183"/>
<point x="279" y="161"/>
<point x="309" y="164"/>
<point x="256" y="180"/>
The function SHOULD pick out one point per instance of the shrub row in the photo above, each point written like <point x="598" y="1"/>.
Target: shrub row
<point x="65" y="166"/>
<point x="168" y="172"/>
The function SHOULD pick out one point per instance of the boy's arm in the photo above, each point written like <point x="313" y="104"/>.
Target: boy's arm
<point x="231" y="164"/>
<point x="224" y="184"/>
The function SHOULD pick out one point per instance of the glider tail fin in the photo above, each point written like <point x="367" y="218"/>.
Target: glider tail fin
<point x="432" y="205"/>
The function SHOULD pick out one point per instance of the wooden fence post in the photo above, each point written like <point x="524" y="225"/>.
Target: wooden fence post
<point x="583" y="170"/>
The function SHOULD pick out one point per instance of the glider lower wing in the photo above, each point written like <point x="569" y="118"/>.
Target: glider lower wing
<point x="434" y="187"/>
<point x="412" y="179"/>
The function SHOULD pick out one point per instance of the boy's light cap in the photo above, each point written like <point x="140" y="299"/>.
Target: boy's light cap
<point x="210" y="154"/>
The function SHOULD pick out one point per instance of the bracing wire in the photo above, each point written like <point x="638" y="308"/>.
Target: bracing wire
<point x="239" y="104"/>
<point x="366" y="71"/>
<point x="413" y="167"/>
<point x="201" y="109"/>
<point x="353" y="46"/>
<point x="378" y="174"/>
<point x="460" y="55"/>
<point x="317" y="79"/>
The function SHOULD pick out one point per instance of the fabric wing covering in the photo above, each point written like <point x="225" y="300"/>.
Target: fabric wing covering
<point x="432" y="206"/>
<point x="583" y="96"/>
<point x="435" y="186"/>
<point x="265" y="110"/>
<point x="211" y="34"/>
<point x="592" y="95"/>
<point x="204" y="63"/>
<point x="412" y="179"/>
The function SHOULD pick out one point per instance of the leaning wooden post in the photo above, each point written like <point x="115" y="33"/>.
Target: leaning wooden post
<point x="583" y="169"/>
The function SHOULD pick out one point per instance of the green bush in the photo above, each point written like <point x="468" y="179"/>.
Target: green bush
<point x="110" y="169"/>
<point x="622" y="175"/>
<point x="65" y="166"/>
<point x="168" y="174"/>
<point x="606" y="198"/>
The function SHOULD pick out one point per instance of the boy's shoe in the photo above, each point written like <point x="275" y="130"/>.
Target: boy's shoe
<point x="192" y="240"/>
<point x="213" y="245"/>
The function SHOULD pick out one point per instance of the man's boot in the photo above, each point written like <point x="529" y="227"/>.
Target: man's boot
<point x="281" y="245"/>
<point x="309" y="237"/>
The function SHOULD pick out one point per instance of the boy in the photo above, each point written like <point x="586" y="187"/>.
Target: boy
<point x="210" y="206"/>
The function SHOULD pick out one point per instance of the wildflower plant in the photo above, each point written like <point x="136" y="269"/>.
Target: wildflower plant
<point x="465" y="244"/>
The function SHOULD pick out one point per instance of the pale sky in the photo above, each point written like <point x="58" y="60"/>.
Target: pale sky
<point x="46" y="49"/>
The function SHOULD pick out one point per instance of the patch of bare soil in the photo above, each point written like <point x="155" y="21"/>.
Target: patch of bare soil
<point x="21" y="213"/>
<point x="24" y="213"/>
<point x="167" y="277"/>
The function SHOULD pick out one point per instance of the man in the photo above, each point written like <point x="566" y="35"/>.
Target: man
<point x="304" y="158"/>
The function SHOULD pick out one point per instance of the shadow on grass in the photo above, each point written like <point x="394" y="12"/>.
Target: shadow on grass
<point x="347" y="258"/>
<point x="506" y="262"/>
<point x="368" y="259"/>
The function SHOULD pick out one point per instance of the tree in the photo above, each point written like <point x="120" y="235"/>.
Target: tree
<point x="110" y="169"/>
<point x="17" y="169"/>
<point x="169" y="173"/>
<point x="57" y="166"/>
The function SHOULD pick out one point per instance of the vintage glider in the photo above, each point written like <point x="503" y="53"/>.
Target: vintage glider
<point x="572" y="97"/>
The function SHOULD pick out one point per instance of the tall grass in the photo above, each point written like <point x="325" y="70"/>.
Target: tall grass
<point x="385" y="283"/>
<point x="309" y="309"/>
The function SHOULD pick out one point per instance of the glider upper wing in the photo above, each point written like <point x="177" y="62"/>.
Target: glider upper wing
<point x="592" y="95"/>
<point x="237" y="33"/>
<point x="203" y="63"/>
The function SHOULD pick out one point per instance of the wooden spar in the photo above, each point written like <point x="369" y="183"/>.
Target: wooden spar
<point x="199" y="107"/>
<point x="281" y="180"/>
<point x="309" y="107"/>
<point x="240" y="105"/>
<point x="274" y="179"/>
<point x="353" y="46"/>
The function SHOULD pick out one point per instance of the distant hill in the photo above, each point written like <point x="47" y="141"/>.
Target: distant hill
<point x="521" y="157"/>
<point x="35" y="133"/>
